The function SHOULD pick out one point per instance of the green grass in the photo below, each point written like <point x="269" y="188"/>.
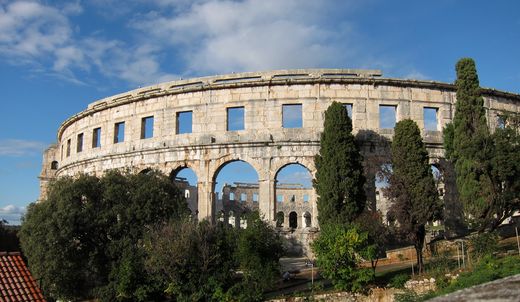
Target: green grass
<point x="488" y="269"/>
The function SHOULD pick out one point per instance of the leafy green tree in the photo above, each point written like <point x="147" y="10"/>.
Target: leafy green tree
<point x="85" y="240"/>
<point x="503" y="173"/>
<point x="339" y="171"/>
<point x="339" y="249"/>
<point x="379" y="235"/>
<point x="258" y="252"/>
<point x="200" y="261"/>
<point x="485" y="164"/>
<point x="57" y="238"/>
<point x="195" y="259"/>
<point x="411" y="189"/>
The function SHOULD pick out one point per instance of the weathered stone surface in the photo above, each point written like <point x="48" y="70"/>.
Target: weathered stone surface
<point x="264" y="143"/>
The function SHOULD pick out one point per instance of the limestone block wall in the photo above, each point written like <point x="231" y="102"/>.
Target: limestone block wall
<point x="264" y="142"/>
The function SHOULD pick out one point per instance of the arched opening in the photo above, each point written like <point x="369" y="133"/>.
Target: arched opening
<point x="243" y="222"/>
<point x="220" y="216"/>
<point x="54" y="165"/>
<point x="294" y="191"/>
<point x="307" y="218"/>
<point x="146" y="171"/>
<point x="232" y="219"/>
<point x="280" y="217"/>
<point x="235" y="184"/>
<point x="186" y="180"/>
<point x="382" y="177"/>
<point x="293" y="220"/>
<point x="439" y="184"/>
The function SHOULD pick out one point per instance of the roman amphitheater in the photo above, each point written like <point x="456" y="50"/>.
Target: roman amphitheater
<point x="186" y="124"/>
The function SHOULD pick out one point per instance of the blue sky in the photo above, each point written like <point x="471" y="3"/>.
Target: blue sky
<point x="58" y="56"/>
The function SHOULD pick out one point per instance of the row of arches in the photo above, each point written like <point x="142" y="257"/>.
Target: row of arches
<point x="292" y="220"/>
<point x="235" y="189"/>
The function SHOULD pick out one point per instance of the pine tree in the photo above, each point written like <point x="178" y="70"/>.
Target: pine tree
<point x="411" y="189"/>
<point x="339" y="177"/>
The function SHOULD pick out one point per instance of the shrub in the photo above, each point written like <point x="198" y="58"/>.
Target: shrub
<point x="486" y="270"/>
<point x="399" y="280"/>
<point x="338" y="250"/>
<point x="484" y="244"/>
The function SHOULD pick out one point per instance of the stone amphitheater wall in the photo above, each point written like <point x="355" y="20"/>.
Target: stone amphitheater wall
<point x="264" y="143"/>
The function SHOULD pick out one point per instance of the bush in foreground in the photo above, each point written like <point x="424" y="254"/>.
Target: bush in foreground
<point x="339" y="249"/>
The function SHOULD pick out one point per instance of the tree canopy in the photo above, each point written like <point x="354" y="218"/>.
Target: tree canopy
<point x="83" y="241"/>
<point x="339" y="250"/>
<point x="339" y="171"/>
<point x="200" y="261"/>
<point x="486" y="165"/>
<point x="412" y="189"/>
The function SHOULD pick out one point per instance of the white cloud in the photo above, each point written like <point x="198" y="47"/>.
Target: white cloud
<point x="29" y="29"/>
<point x="416" y="75"/>
<point x="12" y="213"/>
<point x="41" y="35"/>
<point x="224" y="36"/>
<point x="12" y="209"/>
<point x="18" y="147"/>
<point x="192" y="37"/>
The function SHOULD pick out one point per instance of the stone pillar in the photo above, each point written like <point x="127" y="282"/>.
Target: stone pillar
<point x="206" y="200"/>
<point x="314" y="213"/>
<point x="267" y="199"/>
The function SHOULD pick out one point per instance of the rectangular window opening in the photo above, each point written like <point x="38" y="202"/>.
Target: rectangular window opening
<point x="387" y="116"/>
<point x="68" y="147"/>
<point x="430" y="118"/>
<point x="243" y="197"/>
<point x="96" y="138"/>
<point x="279" y="198"/>
<point x="147" y="127"/>
<point x="305" y="197"/>
<point x="348" y="107"/>
<point x="184" y="122"/>
<point x="231" y="196"/>
<point x="79" y="143"/>
<point x="501" y="121"/>
<point x="255" y="197"/>
<point x="235" y="119"/>
<point x="292" y="116"/>
<point x="119" y="132"/>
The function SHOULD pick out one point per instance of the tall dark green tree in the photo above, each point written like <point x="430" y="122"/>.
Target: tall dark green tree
<point x="339" y="171"/>
<point x="468" y="145"/>
<point x="412" y="189"/>
<point x="485" y="182"/>
<point x="503" y="174"/>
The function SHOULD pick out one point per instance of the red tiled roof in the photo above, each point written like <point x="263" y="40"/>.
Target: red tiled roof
<point x="16" y="282"/>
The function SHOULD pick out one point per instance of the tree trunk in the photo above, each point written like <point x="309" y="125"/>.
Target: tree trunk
<point x="419" y="243"/>
<point x="418" y="251"/>
<point x="374" y="264"/>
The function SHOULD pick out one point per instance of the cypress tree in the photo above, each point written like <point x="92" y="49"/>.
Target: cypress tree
<point x="339" y="171"/>
<point x="468" y="144"/>
<point x="411" y="189"/>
